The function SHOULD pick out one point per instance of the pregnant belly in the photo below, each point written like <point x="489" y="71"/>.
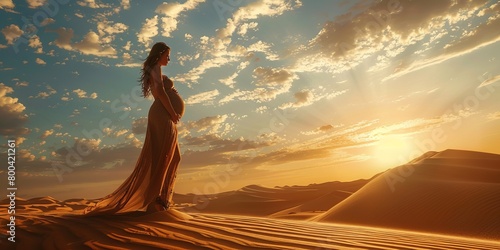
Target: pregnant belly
<point x="177" y="102"/>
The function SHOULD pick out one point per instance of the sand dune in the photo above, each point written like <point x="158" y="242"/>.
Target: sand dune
<point x="296" y="202"/>
<point x="64" y="229"/>
<point x="440" y="193"/>
<point x="453" y="192"/>
<point x="311" y="208"/>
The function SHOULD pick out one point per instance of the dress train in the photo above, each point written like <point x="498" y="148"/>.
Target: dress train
<point x="155" y="171"/>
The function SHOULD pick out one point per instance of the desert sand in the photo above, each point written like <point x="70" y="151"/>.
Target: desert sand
<point x="452" y="192"/>
<point x="441" y="200"/>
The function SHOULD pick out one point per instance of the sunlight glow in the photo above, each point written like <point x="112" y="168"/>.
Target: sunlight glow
<point x="390" y="150"/>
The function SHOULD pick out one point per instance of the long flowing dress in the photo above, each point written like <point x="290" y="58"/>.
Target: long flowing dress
<point x="155" y="171"/>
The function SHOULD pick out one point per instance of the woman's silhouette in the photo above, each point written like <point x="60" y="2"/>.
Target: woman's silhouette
<point x="150" y="186"/>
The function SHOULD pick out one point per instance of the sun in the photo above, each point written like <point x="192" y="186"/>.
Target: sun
<point x="392" y="150"/>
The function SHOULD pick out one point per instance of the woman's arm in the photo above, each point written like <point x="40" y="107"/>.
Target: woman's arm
<point x="159" y="93"/>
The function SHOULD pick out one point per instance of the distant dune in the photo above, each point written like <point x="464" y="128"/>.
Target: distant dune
<point x="440" y="194"/>
<point x="451" y="192"/>
<point x="294" y="202"/>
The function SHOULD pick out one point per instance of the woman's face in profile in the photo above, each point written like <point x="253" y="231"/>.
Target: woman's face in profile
<point x="165" y="58"/>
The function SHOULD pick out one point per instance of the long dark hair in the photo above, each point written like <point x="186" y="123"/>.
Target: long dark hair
<point x="154" y="55"/>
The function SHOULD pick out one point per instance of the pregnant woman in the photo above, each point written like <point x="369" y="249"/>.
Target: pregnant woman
<point x="150" y="186"/>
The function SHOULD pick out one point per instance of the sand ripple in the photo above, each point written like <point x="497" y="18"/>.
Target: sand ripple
<point x="175" y="230"/>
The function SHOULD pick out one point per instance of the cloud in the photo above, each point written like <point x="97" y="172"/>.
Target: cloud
<point x="66" y="97"/>
<point x="261" y="109"/>
<point x="195" y="74"/>
<point x="63" y="40"/>
<point x="302" y="98"/>
<point x="125" y="4"/>
<point x="44" y="94"/>
<point x="87" y="157"/>
<point x="127" y="58"/>
<point x="325" y="127"/>
<point x="229" y="81"/>
<point x="107" y="29"/>
<point x="372" y="133"/>
<point x="307" y="97"/>
<point x="33" y="4"/>
<point x="493" y="116"/>
<point x="330" y="138"/>
<point x="22" y="84"/>
<point x="264" y="48"/>
<point x="139" y="126"/>
<point x="80" y="93"/>
<point x="107" y="131"/>
<point x="292" y="155"/>
<point x="7" y="4"/>
<point x="223" y="145"/>
<point x="205" y="97"/>
<point x="242" y="31"/>
<point x="35" y="43"/>
<point x="20" y="140"/>
<point x="322" y="129"/>
<point x="92" y="4"/>
<point x="221" y="151"/>
<point x="250" y="12"/>
<point x="120" y="132"/>
<point x="273" y="76"/>
<point x="211" y="124"/>
<point x="129" y="65"/>
<point x="489" y="81"/>
<point x="270" y="83"/>
<point x="83" y="94"/>
<point x="71" y="167"/>
<point x="47" y="21"/>
<point x="11" y="33"/>
<point x="127" y="45"/>
<point x="218" y="48"/>
<point x="388" y="30"/>
<point x="46" y="133"/>
<point x="483" y="35"/>
<point x="40" y="61"/>
<point x="149" y="30"/>
<point x="75" y="113"/>
<point x="88" y="144"/>
<point x="172" y="11"/>
<point x="41" y="177"/>
<point x="90" y="45"/>
<point x="12" y="113"/>
<point x="79" y="154"/>
<point x="89" y="154"/>
<point x="26" y="155"/>
<point x="324" y="145"/>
